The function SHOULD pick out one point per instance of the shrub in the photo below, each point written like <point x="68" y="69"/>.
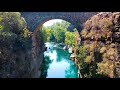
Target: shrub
<point x="111" y="52"/>
<point x="103" y="49"/>
<point x="84" y="32"/>
<point x="88" y="59"/>
<point x="12" y="21"/>
<point x="105" y="68"/>
<point x="1" y="28"/>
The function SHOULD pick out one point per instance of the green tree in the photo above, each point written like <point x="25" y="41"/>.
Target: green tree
<point x="13" y="29"/>
<point x="12" y="21"/>
<point x="56" y="32"/>
<point x="70" y="38"/>
<point x="59" y="34"/>
<point x="46" y="31"/>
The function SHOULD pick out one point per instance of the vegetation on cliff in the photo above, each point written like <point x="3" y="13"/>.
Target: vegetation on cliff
<point x="14" y="37"/>
<point x="96" y="55"/>
<point x="98" y="44"/>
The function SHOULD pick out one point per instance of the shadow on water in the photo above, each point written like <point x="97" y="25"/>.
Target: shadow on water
<point x="45" y="66"/>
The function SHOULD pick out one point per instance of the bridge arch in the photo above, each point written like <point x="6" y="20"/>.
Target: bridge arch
<point x="36" y="19"/>
<point x="35" y="36"/>
<point x="39" y="27"/>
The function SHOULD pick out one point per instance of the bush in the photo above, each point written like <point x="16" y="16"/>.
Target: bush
<point x="111" y="52"/>
<point x="25" y="33"/>
<point x="1" y="28"/>
<point x="84" y="32"/>
<point x="105" y="68"/>
<point x="13" y="30"/>
<point x="88" y="59"/>
<point x="12" y="21"/>
<point x="103" y="49"/>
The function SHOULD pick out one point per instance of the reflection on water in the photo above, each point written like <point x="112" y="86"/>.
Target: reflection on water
<point x="61" y="66"/>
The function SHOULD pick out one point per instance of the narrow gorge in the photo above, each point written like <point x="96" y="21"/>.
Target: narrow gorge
<point x="97" y="47"/>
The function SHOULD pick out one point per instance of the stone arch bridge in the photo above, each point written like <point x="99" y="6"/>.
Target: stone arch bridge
<point x="36" y="19"/>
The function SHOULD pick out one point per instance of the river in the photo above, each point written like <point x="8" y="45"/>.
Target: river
<point x="61" y="66"/>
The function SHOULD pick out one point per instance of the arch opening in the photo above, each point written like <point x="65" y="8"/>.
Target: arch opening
<point x="64" y="30"/>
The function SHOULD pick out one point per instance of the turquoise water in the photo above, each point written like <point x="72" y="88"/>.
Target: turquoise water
<point x="61" y="66"/>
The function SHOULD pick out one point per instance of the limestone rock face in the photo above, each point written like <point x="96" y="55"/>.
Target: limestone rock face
<point x="103" y="29"/>
<point x="20" y="63"/>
